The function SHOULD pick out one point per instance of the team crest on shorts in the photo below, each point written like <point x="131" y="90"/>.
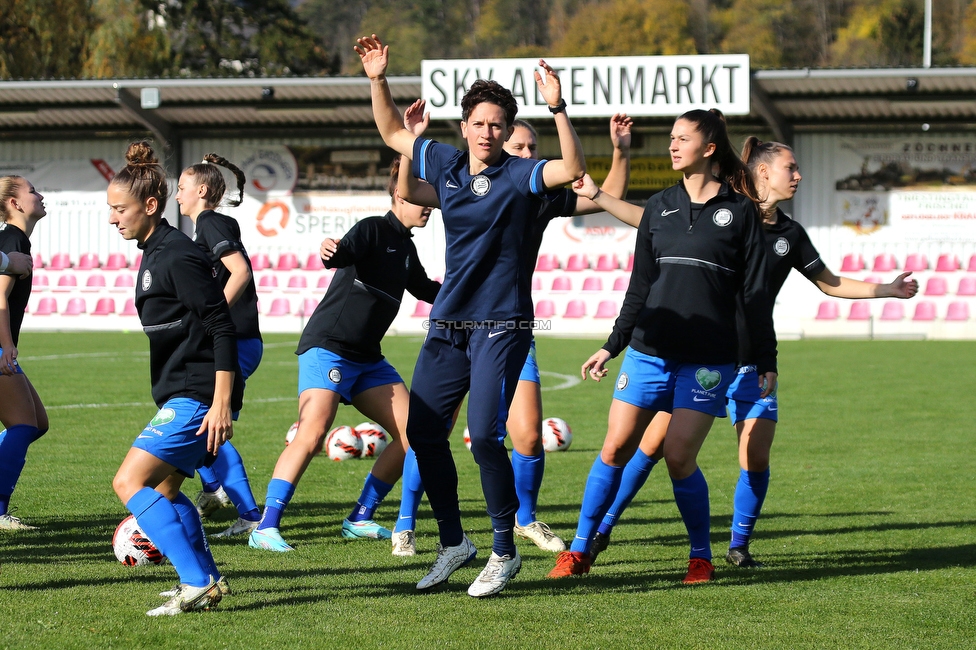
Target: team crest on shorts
<point x="165" y="416"/>
<point x="622" y="381"/>
<point x="335" y="376"/>
<point x="708" y="379"/>
<point x="722" y="217"/>
<point x="782" y="246"/>
<point x="480" y="185"/>
<point x="146" y="280"/>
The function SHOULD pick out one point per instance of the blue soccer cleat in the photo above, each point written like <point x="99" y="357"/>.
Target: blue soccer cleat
<point x="366" y="529"/>
<point x="268" y="539"/>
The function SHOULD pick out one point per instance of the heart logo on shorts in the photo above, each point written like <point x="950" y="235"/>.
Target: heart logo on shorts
<point x="165" y="416"/>
<point x="708" y="379"/>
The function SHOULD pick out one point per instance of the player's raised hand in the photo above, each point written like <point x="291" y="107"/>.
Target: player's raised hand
<point x="327" y="248"/>
<point x="620" y="126"/>
<point x="549" y="85"/>
<point x="595" y="365"/>
<point x="903" y="287"/>
<point x="375" y="56"/>
<point x="414" y="118"/>
<point x="586" y="188"/>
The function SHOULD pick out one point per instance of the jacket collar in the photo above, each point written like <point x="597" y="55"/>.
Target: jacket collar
<point x="157" y="236"/>
<point x="398" y="227"/>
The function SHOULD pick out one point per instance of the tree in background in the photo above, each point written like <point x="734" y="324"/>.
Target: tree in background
<point x="128" y="42"/>
<point x="627" y="27"/>
<point x="43" y="39"/>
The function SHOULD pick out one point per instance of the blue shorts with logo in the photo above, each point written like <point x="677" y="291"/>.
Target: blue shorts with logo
<point x="171" y="436"/>
<point x="530" y="371"/>
<point x="17" y="369"/>
<point x="320" y="368"/>
<point x="744" y="398"/>
<point x="657" y="384"/>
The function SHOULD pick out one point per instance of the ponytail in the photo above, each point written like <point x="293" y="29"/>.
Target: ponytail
<point x="210" y="176"/>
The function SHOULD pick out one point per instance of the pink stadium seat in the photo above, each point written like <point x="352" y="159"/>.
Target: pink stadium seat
<point x="297" y="282"/>
<point x="924" y="310"/>
<point x="129" y="309"/>
<point x="59" y="262"/>
<point x="592" y="284"/>
<point x="308" y="306"/>
<point x="280" y="307"/>
<point x="860" y="310"/>
<point x="124" y="281"/>
<point x="39" y="281"/>
<point x="607" y="263"/>
<point x="852" y="262"/>
<point x="88" y="261"/>
<point x="621" y="283"/>
<point x="971" y="267"/>
<point x="67" y="281"/>
<point x="575" y="309"/>
<point x="884" y="263"/>
<point x="39" y="261"/>
<point x="916" y="262"/>
<point x="104" y="307"/>
<point x="546" y="263"/>
<point x="536" y="284"/>
<point x="827" y="311"/>
<point x="287" y="262"/>
<point x="76" y="307"/>
<point x="46" y="307"/>
<point x="967" y="286"/>
<point x="893" y="310"/>
<point x="259" y="262"/>
<point x="947" y="263"/>
<point x="115" y="262"/>
<point x="606" y="309"/>
<point x="136" y="262"/>
<point x="577" y="263"/>
<point x="95" y="281"/>
<point x="323" y="282"/>
<point x="958" y="311"/>
<point x="936" y="286"/>
<point x="267" y="283"/>
<point x="630" y="263"/>
<point x="314" y="263"/>
<point x="422" y="310"/>
<point x="562" y="283"/>
<point x="545" y="309"/>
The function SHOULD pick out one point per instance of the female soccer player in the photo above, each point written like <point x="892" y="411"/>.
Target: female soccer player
<point x="524" y="423"/>
<point x="479" y="336"/>
<point x="200" y="191"/>
<point x="698" y="245"/>
<point x="340" y="360"/>
<point x="195" y="380"/>
<point x="21" y="410"/>
<point x="776" y="177"/>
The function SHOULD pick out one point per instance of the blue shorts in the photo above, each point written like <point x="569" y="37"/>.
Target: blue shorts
<point x="744" y="398"/>
<point x="530" y="371"/>
<point x="656" y="384"/>
<point x="249" y="353"/>
<point x="320" y="368"/>
<point x="17" y="369"/>
<point x="172" y="437"/>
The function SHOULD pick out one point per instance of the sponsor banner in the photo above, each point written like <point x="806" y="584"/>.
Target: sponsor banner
<point x="647" y="173"/>
<point x="663" y="86"/>
<point x="934" y="216"/>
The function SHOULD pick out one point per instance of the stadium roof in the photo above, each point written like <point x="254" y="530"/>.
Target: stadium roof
<point x="785" y="100"/>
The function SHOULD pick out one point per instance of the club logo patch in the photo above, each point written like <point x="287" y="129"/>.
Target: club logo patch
<point x="146" y="280"/>
<point x="722" y="217"/>
<point x="708" y="379"/>
<point x="165" y="416"/>
<point x="781" y="247"/>
<point x="480" y="185"/>
<point x="335" y="376"/>
<point x="622" y="381"/>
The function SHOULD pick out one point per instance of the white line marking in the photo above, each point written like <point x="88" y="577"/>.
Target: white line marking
<point x="66" y="407"/>
<point x="85" y="355"/>
<point x="568" y="381"/>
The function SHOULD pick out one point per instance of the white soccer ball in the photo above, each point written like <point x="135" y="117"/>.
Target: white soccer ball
<point x="467" y="438"/>
<point x="292" y="432"/>
<point x="343" y="443"/>
<point x="556" y="434"/>
<point x="374" y="437"/>
<point x="132" y="546"/>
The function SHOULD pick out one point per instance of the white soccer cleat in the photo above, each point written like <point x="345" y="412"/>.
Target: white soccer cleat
<point x="449" y="559"/>
<point x="404" y="544"/>
<point x="239" y="527"/>
<point x="496" y="574"/>
<point x="222" y="584"/>
<point x="189" y="599"/>
<point x="9" y="522"/>
<point x="540" y="535"/>
<point x="210" y="502"/>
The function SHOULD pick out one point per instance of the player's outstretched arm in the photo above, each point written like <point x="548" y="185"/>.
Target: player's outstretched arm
<point x="840" y="287"/>
<point x="410" y="187"/>
<point x="375" y="58"/>
<point x="619" y="175"/>
<point x="629" y="213"/>
<point x="557" y="173"/>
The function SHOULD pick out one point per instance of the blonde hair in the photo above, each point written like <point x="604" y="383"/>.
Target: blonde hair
<point x="143" y="177"/>
<point x="9" y="188"/>
<point x="210" y="176"/>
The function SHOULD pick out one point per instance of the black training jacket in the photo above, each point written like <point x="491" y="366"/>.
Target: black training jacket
<point x="14" y="240"/>
<point x="185" y="316"/>
<point x="377" y="261"/>
<point x="681" y="301"/>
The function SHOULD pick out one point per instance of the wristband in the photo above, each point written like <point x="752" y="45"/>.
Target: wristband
<point x="4" y="262"/>
<point x="558" y="108"/>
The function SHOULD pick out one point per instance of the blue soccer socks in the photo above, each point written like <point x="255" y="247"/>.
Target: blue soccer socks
<point x="229" y="470"/>
<point x="374" y="491"/>
<point x="691" y="497"/>
<point x="13" y="457"/>
<point x="633" y="479"/>
<point x="190" y="519"/>
<point x="528" y="479"/>
<point x="413" y="492"/>
<point x="158" y="518"/>
<point x="279" y="495"/>
<point x="601" y="487"/>
<point x="750" y="492"/>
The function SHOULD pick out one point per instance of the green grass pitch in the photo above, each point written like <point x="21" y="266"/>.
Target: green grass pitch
<point x="867" y="533"/>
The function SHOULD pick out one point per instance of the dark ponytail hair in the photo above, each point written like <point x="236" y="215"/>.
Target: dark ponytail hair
<point x="143" y="177"/>
<point x="755" y="152"/>
<point x="211" y="177"/>
<point x="711" y="125"/>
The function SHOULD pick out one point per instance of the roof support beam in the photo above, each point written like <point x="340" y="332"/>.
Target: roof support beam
<point x="782" y="130"/>
<point x="160" y="128"/>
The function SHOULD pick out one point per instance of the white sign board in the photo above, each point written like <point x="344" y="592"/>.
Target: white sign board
<point x="948" y="216"/>
<point x="599" y="86"/>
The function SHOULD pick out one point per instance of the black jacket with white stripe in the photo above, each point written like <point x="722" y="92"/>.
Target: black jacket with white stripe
<point x="681" y="301"/>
